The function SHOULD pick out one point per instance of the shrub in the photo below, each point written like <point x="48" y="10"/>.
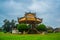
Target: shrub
<point x="22" y="27"/>
<point x="41" y="27"/>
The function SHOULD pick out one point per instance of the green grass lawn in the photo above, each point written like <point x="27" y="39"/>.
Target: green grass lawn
<point x="50" y="36"/>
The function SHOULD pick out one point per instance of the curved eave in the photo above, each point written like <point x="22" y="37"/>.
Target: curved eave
<point x="23" y="20"/>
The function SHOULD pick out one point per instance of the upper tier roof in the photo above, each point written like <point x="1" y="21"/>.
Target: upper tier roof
<point x="29" y="18"/>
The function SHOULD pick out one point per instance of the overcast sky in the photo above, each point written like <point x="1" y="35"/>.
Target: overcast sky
<point x="49" y="10"/>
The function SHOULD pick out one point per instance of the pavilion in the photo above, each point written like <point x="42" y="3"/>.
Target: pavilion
<point x="31" y="19"/>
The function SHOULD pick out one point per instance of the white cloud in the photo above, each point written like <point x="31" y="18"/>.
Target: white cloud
<point x="13" y="8"/>
<point x="39" y="6"/>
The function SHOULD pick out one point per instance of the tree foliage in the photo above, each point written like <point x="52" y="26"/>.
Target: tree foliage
<point x="22" y="27"/>
<point x="7" y="26"/>
<point x="41" y="27"/>
<point x="12" y="23"/>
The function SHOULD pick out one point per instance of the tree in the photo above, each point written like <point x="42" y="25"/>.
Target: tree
<point x="41" y="27"/>
<point x="12" y="23"/>
<point x="50" y="29"/>
<point x="22" y="27"/>
<point x="6" y="26"/>
<point x="57" y="30"/>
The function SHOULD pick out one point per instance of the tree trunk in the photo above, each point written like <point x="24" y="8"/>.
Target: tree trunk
<point x="23" y="32"/>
